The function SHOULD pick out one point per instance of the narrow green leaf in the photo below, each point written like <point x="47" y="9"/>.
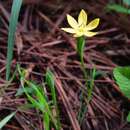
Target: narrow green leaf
<point x="118" y="8"/>
<point x="90" y="90"/>
<point x="11" y="36"/>
<point x="6" y="119"/>
<point x="20" y="91"/>
<point x="38" y="100"/>
<point x="128" y="117"/>
<point x="122" y="78"/>
<point x="50" y="82"/>
<point x="41" y="97"/>
<point x="46" y="121"/>
<point x="41" y="102"/>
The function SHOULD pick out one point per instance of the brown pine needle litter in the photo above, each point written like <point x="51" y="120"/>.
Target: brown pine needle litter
<point x="41" y="44"/>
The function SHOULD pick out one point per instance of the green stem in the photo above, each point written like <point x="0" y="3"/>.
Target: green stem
<point x="80" y="50"/>
<point x="88" y="86"/>
<point x="83" y="108"/>
<point x="84" y="71"/>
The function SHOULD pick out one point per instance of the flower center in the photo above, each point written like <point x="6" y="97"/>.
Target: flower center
<point x="81" y="29"/>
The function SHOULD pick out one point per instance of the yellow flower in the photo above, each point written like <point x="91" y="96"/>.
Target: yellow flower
<point x="81" y="27"/>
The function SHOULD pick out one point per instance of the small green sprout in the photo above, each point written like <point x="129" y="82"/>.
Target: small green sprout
<point x="6" y="119"/>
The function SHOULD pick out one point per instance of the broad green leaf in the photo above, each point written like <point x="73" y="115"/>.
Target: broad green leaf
<point x="80" y="46"/>
<point x="122" y="78"/>
<point x="127" y="2"/>
<point x="6" y="119"/>
<point x="118" y="8"/>
<point x="11" y="35"/>
<point x="128" y="117"/>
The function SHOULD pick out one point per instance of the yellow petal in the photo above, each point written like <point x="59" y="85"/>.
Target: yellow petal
<point x="82" y="19"/>
<point x="69" y="30"/>
<point x="93" y="24"/>
<point x="75" y="35"/>
<point x="90" y="34"/>
<point x="72" y="22"/>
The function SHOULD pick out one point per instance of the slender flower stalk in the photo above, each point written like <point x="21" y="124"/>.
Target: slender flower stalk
<point x="81" y="29"/>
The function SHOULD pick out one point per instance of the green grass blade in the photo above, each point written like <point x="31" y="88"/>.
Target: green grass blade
<point x="46" y="121"/>
<point x="128" y="117"/>
<point x="127" y="2"/>
<point x="6" y="119"/>
<point x="50" y="82"/>
<point x="44" y="107"/>
<point x="38" y="100"/>
<point x="91" y="84"/>
<point x="118" y="8"/>
<point x="11" y="35"/>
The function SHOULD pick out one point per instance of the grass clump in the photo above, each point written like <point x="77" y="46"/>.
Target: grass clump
<point x="41" y="101"/>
